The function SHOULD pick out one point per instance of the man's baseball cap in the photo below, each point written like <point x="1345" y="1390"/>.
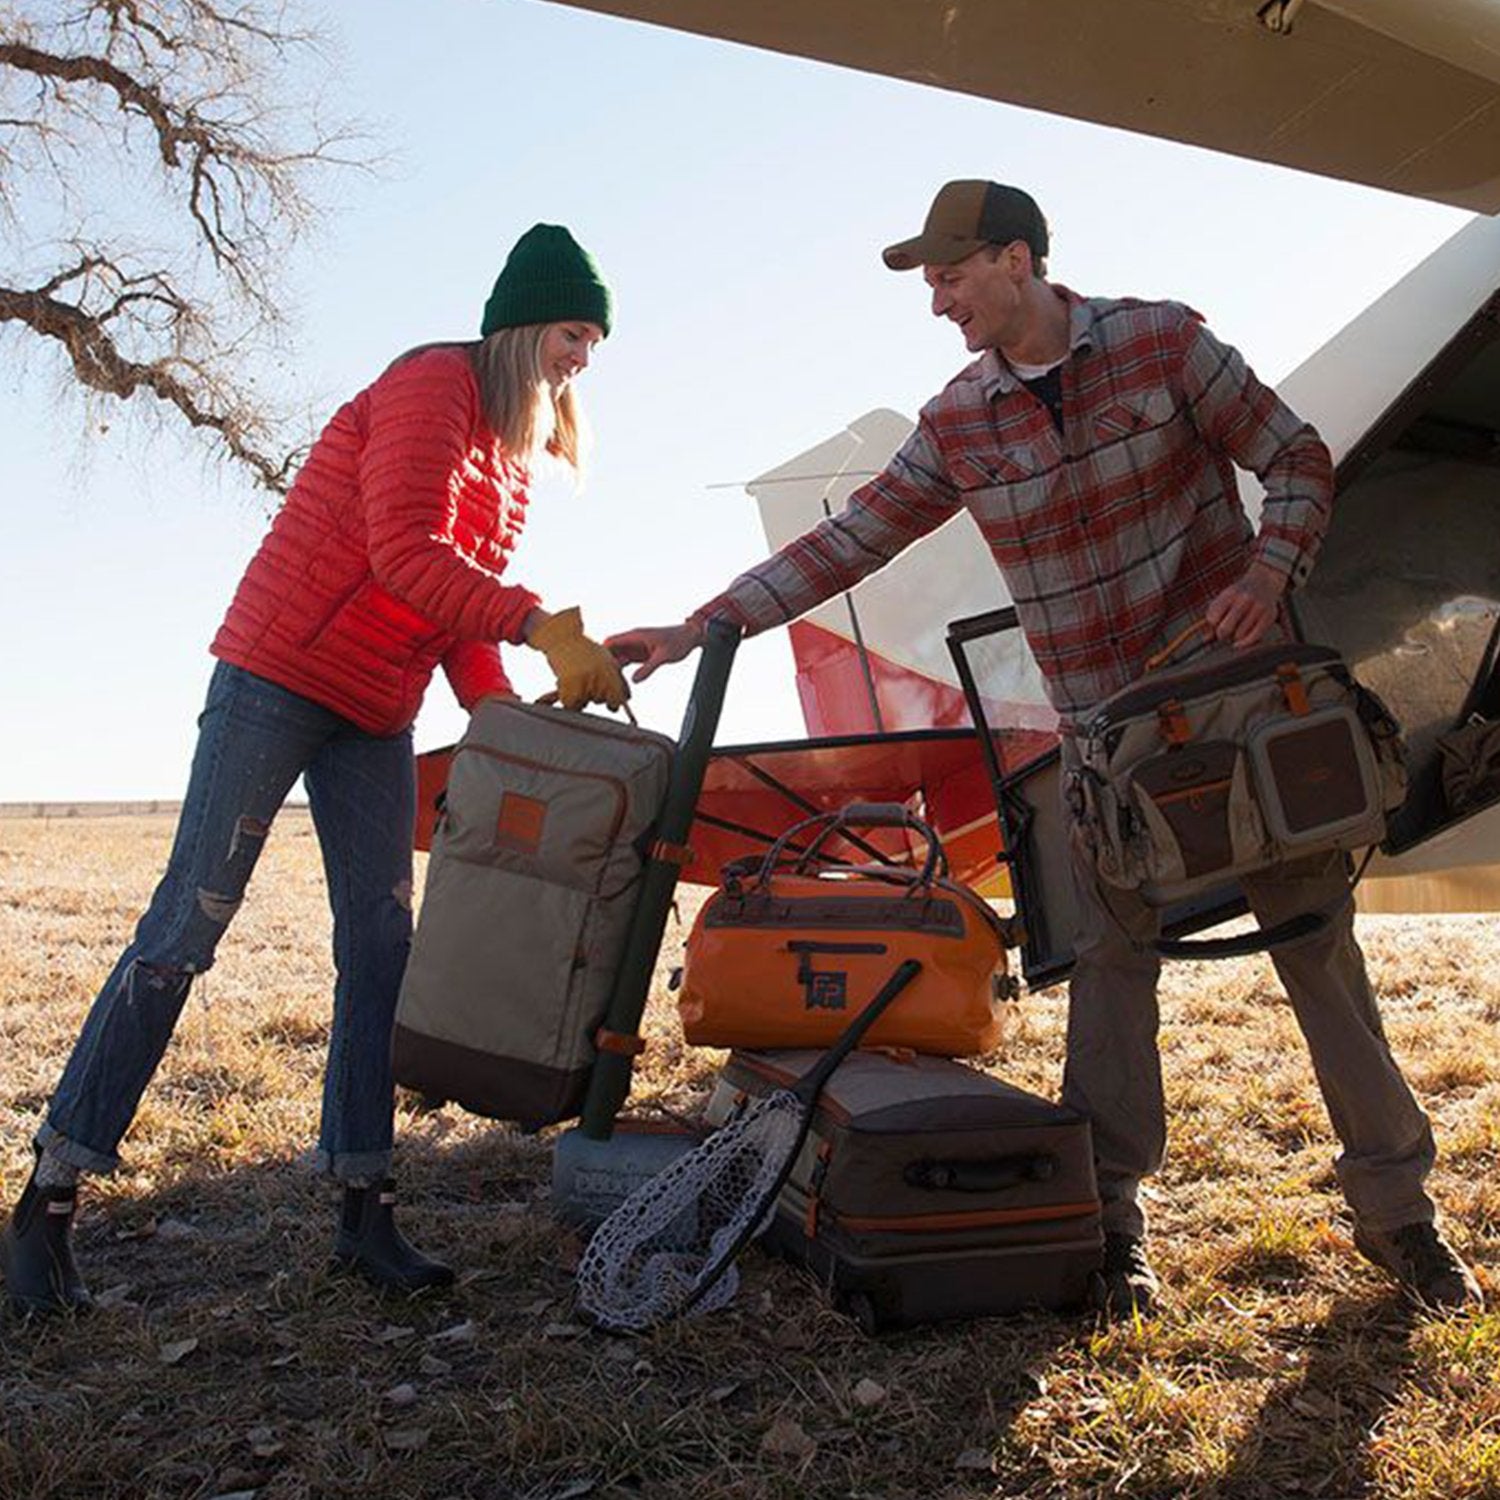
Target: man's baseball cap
<point x="964" y="217"/>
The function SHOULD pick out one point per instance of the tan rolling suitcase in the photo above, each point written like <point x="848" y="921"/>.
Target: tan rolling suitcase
<point x="536" y="863"/>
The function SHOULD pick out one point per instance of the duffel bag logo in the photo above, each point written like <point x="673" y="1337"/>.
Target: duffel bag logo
<point x="827" y="991"/>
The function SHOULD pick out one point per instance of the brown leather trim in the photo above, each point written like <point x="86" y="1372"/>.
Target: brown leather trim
<point x="1188" y="794"/>
<point x="671" y="854"/>
<point x="781" y="1079"/>
<point x="625" y="1043"/>
<point x="501" y="1088"/>
<point x="935" y="916"/>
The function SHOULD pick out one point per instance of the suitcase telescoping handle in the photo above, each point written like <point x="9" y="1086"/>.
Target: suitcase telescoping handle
<point x="855" y="815"/>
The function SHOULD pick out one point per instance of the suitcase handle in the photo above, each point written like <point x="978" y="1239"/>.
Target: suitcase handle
<point x="987" y="1175"/>
<point x="553" y="699"/>
<point x="856" y="815"/>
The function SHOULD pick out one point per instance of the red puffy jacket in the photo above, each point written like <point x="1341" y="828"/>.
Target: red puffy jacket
<point x="386" y="557"/>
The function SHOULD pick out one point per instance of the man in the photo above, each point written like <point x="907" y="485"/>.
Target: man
<point x="1094" y="442"/>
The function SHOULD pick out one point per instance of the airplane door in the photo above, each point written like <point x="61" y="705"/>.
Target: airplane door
<point x="1033" y="822"/>
<point x="1407" y="584"/>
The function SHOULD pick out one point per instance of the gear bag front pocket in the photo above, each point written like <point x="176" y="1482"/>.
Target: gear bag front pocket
<point x="1234" y="763"/>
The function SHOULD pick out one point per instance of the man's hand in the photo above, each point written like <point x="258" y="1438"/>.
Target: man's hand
<point x="655" y="645"/>
<point x="1244" y="611"/>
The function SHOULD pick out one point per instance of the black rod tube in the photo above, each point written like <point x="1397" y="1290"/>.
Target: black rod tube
<point x="609" y="1078"/>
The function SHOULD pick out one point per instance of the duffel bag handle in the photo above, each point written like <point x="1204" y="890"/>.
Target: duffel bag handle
<point x="874" y="815"/>
<point x="856" y="814"/>
<point x="553" y="699"/>
<point x="880" y="815"/>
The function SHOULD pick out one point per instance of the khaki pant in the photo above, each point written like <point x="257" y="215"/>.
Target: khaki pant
<point x="1113" y="1070"/>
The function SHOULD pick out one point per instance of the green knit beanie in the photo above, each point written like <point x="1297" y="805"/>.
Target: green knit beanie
<point x="548" y="278"/>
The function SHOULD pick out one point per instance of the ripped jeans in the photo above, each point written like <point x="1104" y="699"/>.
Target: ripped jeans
<point x="254" y="740"/>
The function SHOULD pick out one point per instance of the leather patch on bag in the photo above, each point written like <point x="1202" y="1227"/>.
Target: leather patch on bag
<point x="1317" y="775"/>
<point x="827" y="990"/>
<point x="519" y="823"/>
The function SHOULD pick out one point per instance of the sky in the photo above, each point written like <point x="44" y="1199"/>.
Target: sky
<point x="737" y="202"/>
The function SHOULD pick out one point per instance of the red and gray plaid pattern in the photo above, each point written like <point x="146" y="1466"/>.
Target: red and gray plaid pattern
<point x="1112" y="536"/>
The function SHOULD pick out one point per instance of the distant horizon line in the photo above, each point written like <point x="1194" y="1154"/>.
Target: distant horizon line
<point x="109" y="807"/>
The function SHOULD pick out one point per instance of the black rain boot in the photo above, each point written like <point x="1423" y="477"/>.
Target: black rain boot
<point x="370" y="1244"/>
<point x="36" y="1253"/>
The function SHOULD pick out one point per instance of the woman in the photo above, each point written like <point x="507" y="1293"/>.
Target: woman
<point x="385" y="561"/>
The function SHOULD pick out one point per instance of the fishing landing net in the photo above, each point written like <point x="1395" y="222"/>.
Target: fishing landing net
<point x="670" y="1247"/>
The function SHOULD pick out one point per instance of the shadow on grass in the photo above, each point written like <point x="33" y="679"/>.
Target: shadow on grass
<point x="1313" y="1432"/>
<point x="226" y="1358"/>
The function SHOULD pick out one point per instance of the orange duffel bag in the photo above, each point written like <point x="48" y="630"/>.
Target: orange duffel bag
<point x="792" y="946"/>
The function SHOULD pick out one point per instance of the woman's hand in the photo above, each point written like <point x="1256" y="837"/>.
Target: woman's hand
<point x="586" y="672"/>
<point x="656" y="645"/>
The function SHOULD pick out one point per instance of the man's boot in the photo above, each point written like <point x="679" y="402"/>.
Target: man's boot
<point x="370" y="1244"/>
<point x="36" y="1253"/>
<point x="1429" y="1269"/>
<point x="1125" y="1286"/>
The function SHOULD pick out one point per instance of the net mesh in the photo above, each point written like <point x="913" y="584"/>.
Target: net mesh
<point x="668" y="1248"/>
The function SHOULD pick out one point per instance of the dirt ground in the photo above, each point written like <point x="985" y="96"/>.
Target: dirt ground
<point x="225" y="1360"/>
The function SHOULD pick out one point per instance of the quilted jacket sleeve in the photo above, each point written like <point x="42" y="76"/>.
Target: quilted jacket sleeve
<point x="423" y="493"/>
<point x="474" y="670"/>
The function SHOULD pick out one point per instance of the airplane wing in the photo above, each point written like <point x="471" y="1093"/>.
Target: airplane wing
<point x="1396" y="94"/>
<point x="754" y="793"/>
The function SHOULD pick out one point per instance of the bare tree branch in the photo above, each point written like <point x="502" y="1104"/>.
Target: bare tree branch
<point x="194" y="105"/>
<point x="100" y="365"/>
<point x="131" y="94"/>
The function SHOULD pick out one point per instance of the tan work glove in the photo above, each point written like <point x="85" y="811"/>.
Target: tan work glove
<point x="586" y="672"/>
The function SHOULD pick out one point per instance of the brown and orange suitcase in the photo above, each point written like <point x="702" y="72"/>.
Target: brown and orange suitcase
<point x="927" y="1190"/>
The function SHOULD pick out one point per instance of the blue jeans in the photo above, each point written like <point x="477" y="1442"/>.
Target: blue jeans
<point x="254" y="740"/>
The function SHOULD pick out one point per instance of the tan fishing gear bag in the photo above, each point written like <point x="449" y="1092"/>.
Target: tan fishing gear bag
<point x="1234" y="762"/>
<point x="536" y="863"/>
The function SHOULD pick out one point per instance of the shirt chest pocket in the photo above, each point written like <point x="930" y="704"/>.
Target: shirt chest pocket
<point x="993" y="469"/>
<point x="1139" y="414"/>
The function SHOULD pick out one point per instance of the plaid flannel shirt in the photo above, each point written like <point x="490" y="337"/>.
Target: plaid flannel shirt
<point x="1112" y="535"/>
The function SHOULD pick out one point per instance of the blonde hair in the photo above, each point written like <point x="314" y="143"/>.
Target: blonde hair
<point x="527" y="414"/>
<point x="529" y="417"/>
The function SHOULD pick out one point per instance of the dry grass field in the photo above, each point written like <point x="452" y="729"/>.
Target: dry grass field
<point x="224" y="1360"/>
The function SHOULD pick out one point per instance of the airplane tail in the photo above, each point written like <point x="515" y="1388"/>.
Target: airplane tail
<point x="875" y="660"/>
